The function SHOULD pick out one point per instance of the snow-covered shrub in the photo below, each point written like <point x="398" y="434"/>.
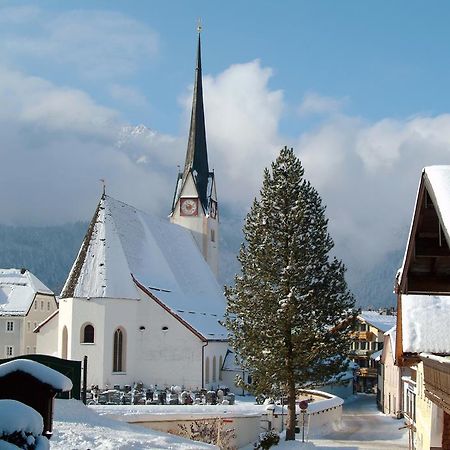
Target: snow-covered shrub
<point x="21" y="427"/>
<point x="267" y="440"/>
<point x="209" y="431"/>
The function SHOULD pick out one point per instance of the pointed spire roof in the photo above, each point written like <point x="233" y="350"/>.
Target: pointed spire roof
<point x="197" y="154"/>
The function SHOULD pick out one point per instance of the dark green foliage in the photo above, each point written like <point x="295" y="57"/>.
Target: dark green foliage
<point x="48" y="252"/>
<point x="290" y="310"/>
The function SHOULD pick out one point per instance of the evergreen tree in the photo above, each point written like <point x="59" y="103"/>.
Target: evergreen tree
<point x="289" y="312"/>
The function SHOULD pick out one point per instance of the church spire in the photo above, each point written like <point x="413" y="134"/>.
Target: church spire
<point x="196" y="154"/>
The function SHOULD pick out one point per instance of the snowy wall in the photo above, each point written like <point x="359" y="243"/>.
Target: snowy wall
<point x="246" y="428"/>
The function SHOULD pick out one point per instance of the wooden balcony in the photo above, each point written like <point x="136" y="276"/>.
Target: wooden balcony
<point x="437" y="381"/>
<point x="363" y="335"/>
<point x="367" y="372"/>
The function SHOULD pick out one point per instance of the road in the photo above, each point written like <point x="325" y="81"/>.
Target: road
<point x="363" y="427"/>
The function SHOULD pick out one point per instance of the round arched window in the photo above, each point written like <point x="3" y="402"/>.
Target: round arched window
<point x="88" y="334"/>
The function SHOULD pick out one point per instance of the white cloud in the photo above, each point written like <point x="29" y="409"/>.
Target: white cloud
<point x="316" y="104"/>
<point x="96" y="44"/>
<point x="242" y="118"/>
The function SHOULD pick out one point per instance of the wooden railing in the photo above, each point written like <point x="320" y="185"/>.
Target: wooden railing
<point x="363" y="335"/>
<point x="367" y="372"/>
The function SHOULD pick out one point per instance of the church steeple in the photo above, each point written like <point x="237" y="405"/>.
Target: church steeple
<point x="197" y="154"/>
<point x="195" y="200"/>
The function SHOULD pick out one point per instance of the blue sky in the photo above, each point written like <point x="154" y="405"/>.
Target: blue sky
<point x="359" y="89"/>
<point x="384" y="58"/>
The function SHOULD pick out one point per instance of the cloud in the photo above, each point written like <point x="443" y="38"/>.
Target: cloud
<point x="76" y="39"/>
<point x="242" y="116"/>
<point x="316" y="104"/>
<point x="58" y="142"/>
<point x="367" y="174"/>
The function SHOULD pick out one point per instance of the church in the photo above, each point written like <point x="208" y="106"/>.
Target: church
<point x="142" y="301"/>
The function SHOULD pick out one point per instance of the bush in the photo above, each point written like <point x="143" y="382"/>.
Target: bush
<point x="267" y="440"/>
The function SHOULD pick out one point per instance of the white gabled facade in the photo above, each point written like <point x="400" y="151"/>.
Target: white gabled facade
<point x="24" y="303"/>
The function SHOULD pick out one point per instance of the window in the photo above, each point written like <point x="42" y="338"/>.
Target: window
<point x="9" y="326"/>
<point x="34" y="325"/>
<point x="28" y="350"/>
<point x="42" y="305"/>
<point x="206" y="370"/>
<point x="35" y="304"/>
<point x="213" y="235"/>
<point x="28" y="326"/>
<point x="119" y="351"/>
<point x="48" y="306"/>
<point x="220" y="367"/>
<point x="214" y="370"/>
<point x="87" y="334"/>
<point x="9" y="350"/>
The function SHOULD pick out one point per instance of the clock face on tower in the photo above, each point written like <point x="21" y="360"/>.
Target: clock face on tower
<point x="189" y="206"/>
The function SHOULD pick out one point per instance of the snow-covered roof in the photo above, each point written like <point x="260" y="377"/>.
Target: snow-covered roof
<point x="45" y="374"/>
<point x="376" y="356"/>
<point x="391" y="333"/>
<point x="18" y="288"/>
<point x="380" y="321"/>
<point x="124" y="243"/>
<point x="425" y="323"/>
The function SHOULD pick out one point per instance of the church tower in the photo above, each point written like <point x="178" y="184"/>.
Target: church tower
<point x="195" y="200"/>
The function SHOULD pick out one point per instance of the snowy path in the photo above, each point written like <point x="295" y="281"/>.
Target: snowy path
<point x="363" y="427"/>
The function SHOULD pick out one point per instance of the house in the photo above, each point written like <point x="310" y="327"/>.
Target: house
<point x="391" y="378"/>
<point x="24" y="302"/>
<point x="367" y="339"/>
<point x="423" y="299"/>
<point x="142" y="301"/>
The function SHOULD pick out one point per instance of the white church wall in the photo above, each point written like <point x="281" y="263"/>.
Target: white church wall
<point x="213" y="353"/>
<point x="47" y="338"/>
<point x="74" y="313"/>
<point x="168" y="352"/>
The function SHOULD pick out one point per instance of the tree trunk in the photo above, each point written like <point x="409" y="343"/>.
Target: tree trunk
<point x="290" y="426"/>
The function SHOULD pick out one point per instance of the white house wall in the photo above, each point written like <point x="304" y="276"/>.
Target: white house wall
<point x="8" y="338"/>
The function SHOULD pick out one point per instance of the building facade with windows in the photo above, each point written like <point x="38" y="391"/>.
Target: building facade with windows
<point x="368" y="339"/>
<point x="24" y="302"/>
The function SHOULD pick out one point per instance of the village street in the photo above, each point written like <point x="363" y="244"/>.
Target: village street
<point x="363" y="427"/>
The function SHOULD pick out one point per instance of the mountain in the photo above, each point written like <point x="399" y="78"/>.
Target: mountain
<point x="48" y="252"/>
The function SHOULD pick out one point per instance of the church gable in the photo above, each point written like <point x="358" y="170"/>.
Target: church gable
<point x="128" y="246"/>
<point x="426" y="267"/>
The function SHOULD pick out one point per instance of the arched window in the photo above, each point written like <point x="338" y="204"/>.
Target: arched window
<point x="206" y="370"/>
<point x="87" y="334"/>
<point x="119" y="351"/>
<point x="65" y="339"/>
<point x="220" y="367"/>
<point x="214" y="371"/>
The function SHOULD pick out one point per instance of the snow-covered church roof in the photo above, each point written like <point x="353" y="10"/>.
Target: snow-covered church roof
<point x="18" y="288"/>
<point x="125" y="248"/>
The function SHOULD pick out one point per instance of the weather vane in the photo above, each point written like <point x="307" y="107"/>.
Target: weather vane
<point x="199" y="25"/>
<point x="104" y="185"/>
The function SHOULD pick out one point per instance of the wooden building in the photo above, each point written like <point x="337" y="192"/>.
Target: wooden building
<point x="423" y="304"/>
<point x="34" y="385"/>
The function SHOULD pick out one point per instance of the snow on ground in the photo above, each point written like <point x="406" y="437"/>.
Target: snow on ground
<point x="76" y="426"/>
<point x="242" y="407"/>
<point x="363" y="427"/>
